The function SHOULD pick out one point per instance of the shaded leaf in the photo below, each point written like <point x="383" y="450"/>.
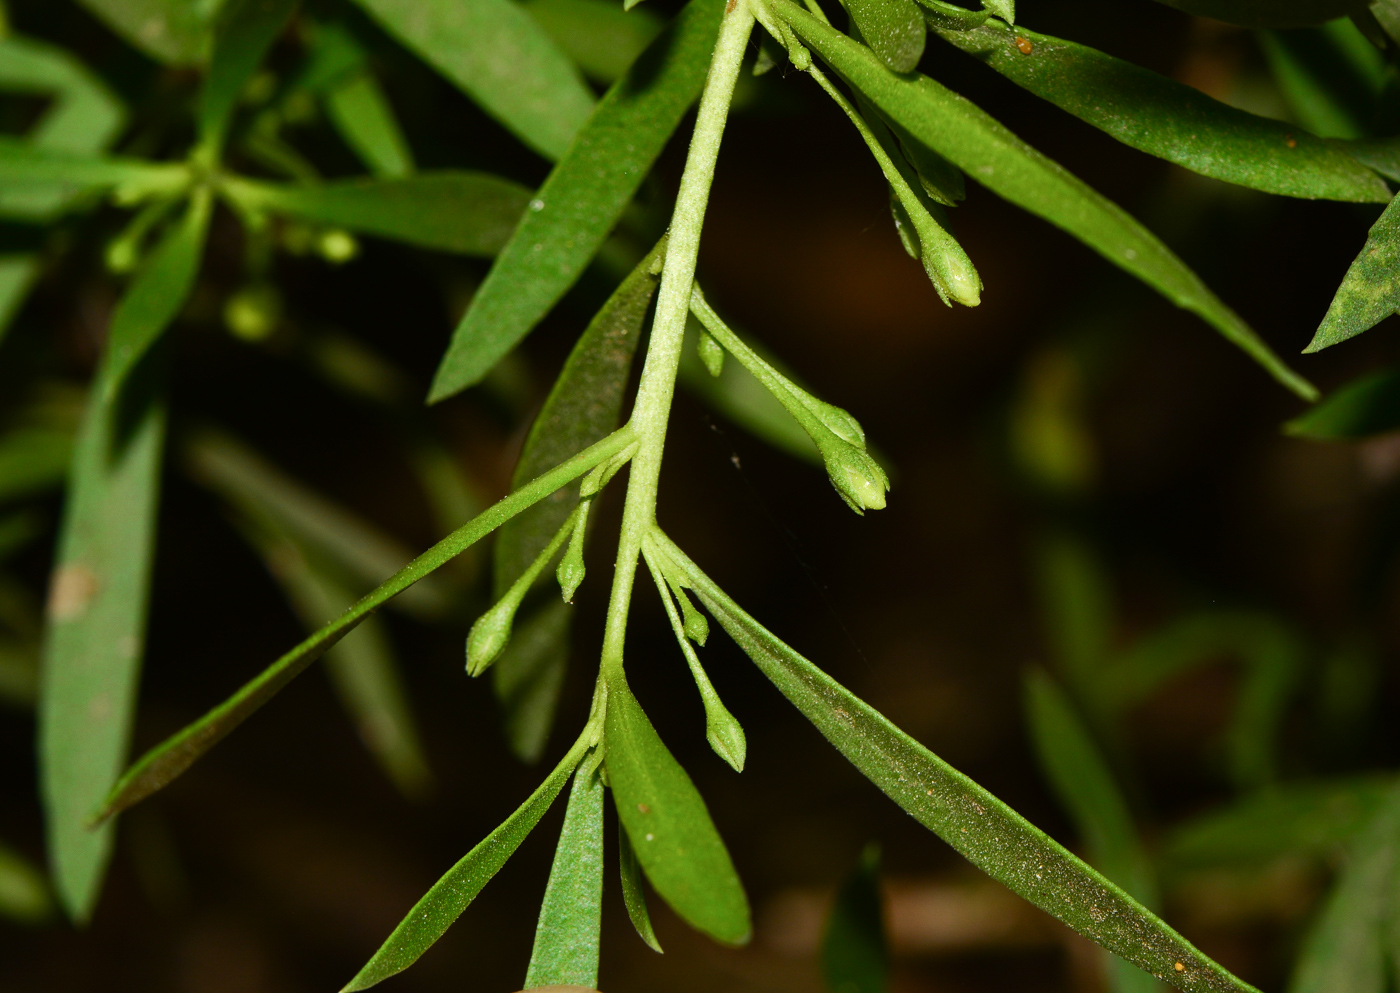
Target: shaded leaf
<point x="17" y="275"/>
<point x="173" y="31"/>
<point x="361" y="113"/>
<point x="440" y="906"/>
<point x="33" y="460"/>
<point x="601" y="37"/>
<point x="576" y="208"/>
<point x="633" y="896"/>
<point x="23" y="164"/>
<point x="1329" y="77"/>
<point x="668" y="824"/>
<point x="1367" y="405"/>
<point x="855" y="955"/>
<point x="1265" y="13"/>
<point x="567" y="935"/>
<point x="529" y="676"/>
<point x="1078" y="607"/>
<point x="500" y="58"/>
<point x="1370" y="290"/>
<point x="1171" y="120"/>
<point x="244" y="31"/>
<point x="24" y="894"/>
<point x="984" y="830"/>
<point x="452" y="211"/>
<point x="989" y="153"/>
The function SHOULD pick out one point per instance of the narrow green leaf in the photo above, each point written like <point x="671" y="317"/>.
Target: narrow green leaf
<point x="173" y="31"/>
<point x="361" y="113"/>
<point x="894" y="30"/>
<point x="156" y="296"/>
<point x="633" y="896"/>
<point x="163" y="763"/>
<point x="989" y="153"/>
<point x="571" y="215"/>
<point x="33" y="460"/>
<point x="244" y="32"/>
<point x="1077" y="604"/>
<point x="500" y="58"/>
<point x="601" y="37"/>
<point x="1346" y="949"/>
<point x="443" y="904"/>
<point x="529" y="676"/>
<point x="23" y="164"/>
<point x="984" y="830"/>
<point x="96" y="625"/>
<point x="1171" y="120"/>
<point x="1313" y="819"/>
<point x="669" y="826"/>
<point x="451" y="211"/>
<point x="1370" y="290"/>
<point x="1266" y="13"/>
<point x="17" y="275"/>
<point x="855" y="955"/>
<point x="1312" y="73"/>
<point x="24" y="894"/>
<point x="1367" y="405"/>
<point x="571" y="916"/>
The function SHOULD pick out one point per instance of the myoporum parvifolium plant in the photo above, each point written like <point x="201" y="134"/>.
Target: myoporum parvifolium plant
<point x="926" y="142"/>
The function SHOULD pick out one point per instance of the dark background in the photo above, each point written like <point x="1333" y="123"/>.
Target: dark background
<point x="282" y="860"/>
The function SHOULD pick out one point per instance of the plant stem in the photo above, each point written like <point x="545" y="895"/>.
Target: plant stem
<point x="658" y="382"/>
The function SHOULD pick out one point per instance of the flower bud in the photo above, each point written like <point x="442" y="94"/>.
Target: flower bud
<point x="695" y="625"/>
<point x="710" y="353"/>
<point x="858" y="478"/>
<point x="724" y="733"/>
<point x="571" y="570"/>
<point x="490" y="635"/>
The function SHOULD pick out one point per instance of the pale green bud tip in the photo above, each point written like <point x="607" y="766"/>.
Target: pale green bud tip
<point x="489" y="637"/>
<point x="858" y="479"/>
<point x="697" y="628"/>
<point x="570" y="574"/>
<point x="963" y="283"/>
<point x="725" y="734"/>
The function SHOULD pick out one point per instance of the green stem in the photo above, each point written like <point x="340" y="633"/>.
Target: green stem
<point x="658" y="382"/>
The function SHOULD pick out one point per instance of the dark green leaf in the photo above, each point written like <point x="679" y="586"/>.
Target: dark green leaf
<point x="1168" y="119"/>
<point x="32" y="460"/>
<point x="174" y="31"/>
<point x="1370" y="290"/>
<point x="163" y="763"/>
<point x="501" y="58"/>
<point x="1266" y="13"/>
<point x="529" y="676"/>
<point x="17" y="275"/>
<point x="894" y="30"/>
<point x="440" y="906"/>
<point x="669" y="827"/>
<point x="996" y="158"/>
<point x="566" y="938"/>
<point x="1077" y="605"/>
<point x="855" y="956"/>
<point x="24" y="894"/>
<point x="96" y="625"/>
<point x="361" y="113"/>
<point x="1330" y="77"/>
<point x="986" y="831"/>
<point x="244" y="32"/>
<point x="601" y="37"/>
<point x="579" y="203"/>
<point x="1365" y="406"/>
<point x="633" y="895"/>
<point x="452" y="211"/>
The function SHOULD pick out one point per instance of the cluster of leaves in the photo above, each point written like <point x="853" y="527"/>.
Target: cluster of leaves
<point x="108" y="447"/>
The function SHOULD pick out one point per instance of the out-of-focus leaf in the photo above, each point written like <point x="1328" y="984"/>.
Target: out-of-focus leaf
<point x="1266" y="13"/>
<point x="243" y="33"/>
<point x="84" y="116"/>
<point x="361" y="113"/>
<point x="173" y="31"/>
<point x="571" y="215"/>
<point x="501" y="58"/>
<point x="1315" y="819"/>
<point x="155" y="296"/>
<point x="452" y="211"/>
<point x="570" y="924"/>
<point x="1330" y="77"/>
<point x="33" y="460"/>
<point x="1168" y="119"/>
<point x="24" y="895"/>
<point x="669" y="826"/>
<point x="894" y="30"/>
<point x="19" y="673"/>
<point x="855" y="956"/>
<point x="1078" y="607"/>
<point x="440" y="906"/>
<point x="1367" y="405"/>
<point x="1085" y="787"/>
<point x="633" y="896"/>
<point x="363" y="553"/>
<point x="1308" y="98"/>
<point x="96" y="625"/>
<point x="601" y="37"/>
<point x="1370" y="290"/>
<point x="168" y="760"/>
<point x="17" y="275"/>
<point x="17" y="530"/>
<point x="1346" y="949"/>
<point x="24" y="165"/>
<point x="984" y="830"/>
<point x="529" y="676"/>
<point x="964" y="134"/>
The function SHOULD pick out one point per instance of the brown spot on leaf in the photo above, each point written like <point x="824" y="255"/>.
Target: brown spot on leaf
<point x="643" y="808"/>
<point x="71" y="591"/>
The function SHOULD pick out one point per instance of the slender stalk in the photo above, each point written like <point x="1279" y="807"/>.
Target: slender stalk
<point x="658" y="382"/>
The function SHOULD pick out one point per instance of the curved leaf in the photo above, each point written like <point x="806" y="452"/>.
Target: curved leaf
<point x="633" y="896"/>
<point x="1367" y="405"/>
<point x="1370" y="290"/>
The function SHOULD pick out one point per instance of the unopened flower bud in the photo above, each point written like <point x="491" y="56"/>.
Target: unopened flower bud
<point x="571" y="569"/>
<point x="490" y="635"/>
<point x="858" y="478"/>
<point x="724" y="733"/>
<point x="694" y="623"/>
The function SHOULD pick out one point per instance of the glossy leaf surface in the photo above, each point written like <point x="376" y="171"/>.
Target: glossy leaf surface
<point x="1171" y="120"/>
<point x="669" y="826"/>
<point x="1370" y="290"/>
<point x="500" y="58"/>
<point x="579" y="203"/>
<point x="1367" y="405"/>
<point x="996" y="158"/>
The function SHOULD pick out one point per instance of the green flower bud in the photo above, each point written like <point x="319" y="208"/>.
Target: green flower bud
<point x="858" y="478"/>
<point x="710" y="353"/>
<point x="571" y="570"/>
<point x="724" y="733"/>
<point x="337" y="246"/>
<point x="254" y="312"/>
<point x="490" y="635"/>
<point x="695" y="625"/>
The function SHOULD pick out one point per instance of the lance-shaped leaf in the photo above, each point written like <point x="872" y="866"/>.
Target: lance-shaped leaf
<point x="894" y="30"/>
<point x="440" y="906"/>
<point x="173" y="31"/>
<point x="1266" y="13"/>
<point x="361" y="113"/>
<point x="1370" y="290"/>
<point x="451" y="211"/>
<point x="989" y="153"/>
<point x="601" y="37"/>
<point x="570" y="924"/>
<point x="500" y="58"/>
<point x="1347" y="947"/>
<point x="245" y="30"/>
<point x="855" y="954"/>
<point x="571" y="215"/>
<point x="163" y="763"/>
<point x="1313" y="81"/>
<point x="96" y="624"/>
<point x="17" y="275"/>
<point x="668" y="824"/>
<point x="982" y="828"/>
<point x="633" y="895"/>
<point x="23" y="164"/>
<point x="1367" y="405"/>
<point x="1168" y="119"/>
